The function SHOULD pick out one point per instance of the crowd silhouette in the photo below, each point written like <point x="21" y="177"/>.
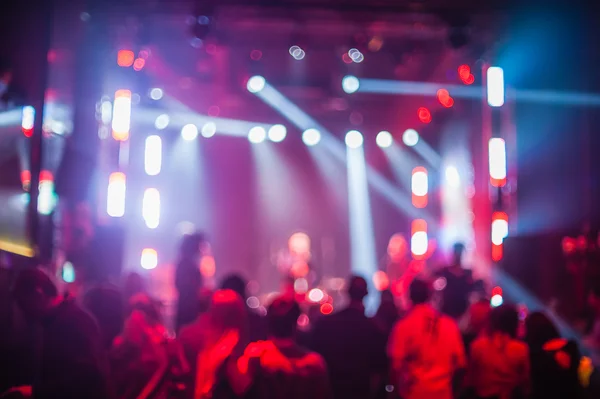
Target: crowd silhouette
<point x="112" y="342"/>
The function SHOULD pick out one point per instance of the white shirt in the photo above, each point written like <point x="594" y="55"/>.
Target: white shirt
<point x="426" y="348"/>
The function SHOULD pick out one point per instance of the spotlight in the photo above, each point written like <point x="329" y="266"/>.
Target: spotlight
<point x="311" y="137"/>
<point x="161" y="122"/>
<point x="156" y="93"/>
<point x="256" y="84"/>
<point x="277" y="133"/>
<point x="384" y="139"/>
<point x="356" y="56"/>
<point x="354" y="139"/>
<point x="209" y="129"/>
<point x="189" y="132"/>
<point x="257" y="135"/>
<point x="297" y="53"/>
<point x="350" y="84"/>
<point x="410" y="137"/>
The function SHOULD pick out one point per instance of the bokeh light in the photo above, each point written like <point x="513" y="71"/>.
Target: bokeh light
<point x="384" y="139"/>
<point x="410" y="137"/>
<point x="256" y="84"/>
<point x="354" y="139"/>
<point x="311" y="137"/>
<point x="189" y="132"/>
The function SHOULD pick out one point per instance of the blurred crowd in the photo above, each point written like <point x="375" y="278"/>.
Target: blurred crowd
<point x="111" y="341"/>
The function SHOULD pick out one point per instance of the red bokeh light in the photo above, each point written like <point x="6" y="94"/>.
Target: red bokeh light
<point x="46" y="176"/>
<point x="470" y="80"/>
<point x="125" y="58"/>
<point x="139" y="63"/>
<point x="444" y="98"/>
<point x="442" y="95"/>
<point x="464" y="71"/>
<point x="497" y="291"/>
<point x="326" y="308"/>
<point x="346" y="58"/>
<point x="424" y="115"/>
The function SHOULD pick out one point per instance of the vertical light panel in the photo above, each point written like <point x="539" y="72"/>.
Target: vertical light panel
<point x="115" y="198"/>
<point x="153" y="155"/>
<point x="121" y="116"/>
<point x="419" y="187"/>
<point x="151" y="208"/>
<point x="149" y="259"/>
<point x="495" y="86"/>
<point x="497" y="162"/>
<point x="27" y="120"/>
<point x="46" y="196"/>
<point x="419" y="242"/>
<point x="499" y="233"/>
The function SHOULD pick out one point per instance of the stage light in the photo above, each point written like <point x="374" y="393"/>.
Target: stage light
<point x="495" y="86"/>
<point x="121" y="115"/>
<point x="257" y="135"/>
<point x="46" y="197"/>
<point x="410" y="137"/>
<point x="153" y="155"/>
<point x="125" y="58"/>
<point x="354" y="139"/>
<point x="424" y="115"/>
<point x="149" y="259"/>
<point x="444" y="98"/>
<point x="496" y="301"/>
<point x="497" y="162"/>
<point x="151" y="208"/>
<point x="115" y="197"/>
<point x="209" y="129"/>
<point x="27" y="120"/>
<point x="419" y="187"/>
<point x="315" y="295"/>
<point x="68" y="273"/>
<point x="297" y="53"/>
<point x="277" y="133"/>
<point x="156" y="93"/>
<point x="464" y="71"/>
<point x="311" y="137"/>
<point x="256" y="84"/>
<point x="162" y="121"/>
<point x="189" y="132"/>
<point x="384" y="139"/>
<point x="356" y="56"/>
<point x="452" y="176"/>
<point x="499" y="227"/>
<point x="419" y="241"/>
<point x="138" y="64"/>
<point x="350" y="84"/>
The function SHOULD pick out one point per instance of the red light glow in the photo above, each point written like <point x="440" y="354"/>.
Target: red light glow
<point x="497" y="252"/>
<point x="497" y="291"/>
<point x="424" y="115"/>
<point x="125" y="58"/>
<point x="464" y="71"/>
<point x="326" y="308"/>
<point x="139" y="63"/>
<point x="444" y="98"/>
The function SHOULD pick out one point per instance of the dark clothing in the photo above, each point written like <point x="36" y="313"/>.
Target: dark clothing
<point x="554" y="370"/>
<point x="72" y="362"/>
<point x="455" y="297"/>
<point x="287" y="372"/>
<point x="188" y="282"/>
<point x="257" y="326"/>
<point x="354" y="350"/>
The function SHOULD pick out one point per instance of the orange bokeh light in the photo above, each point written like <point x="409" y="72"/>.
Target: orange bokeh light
<point x="125" y="58"/>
